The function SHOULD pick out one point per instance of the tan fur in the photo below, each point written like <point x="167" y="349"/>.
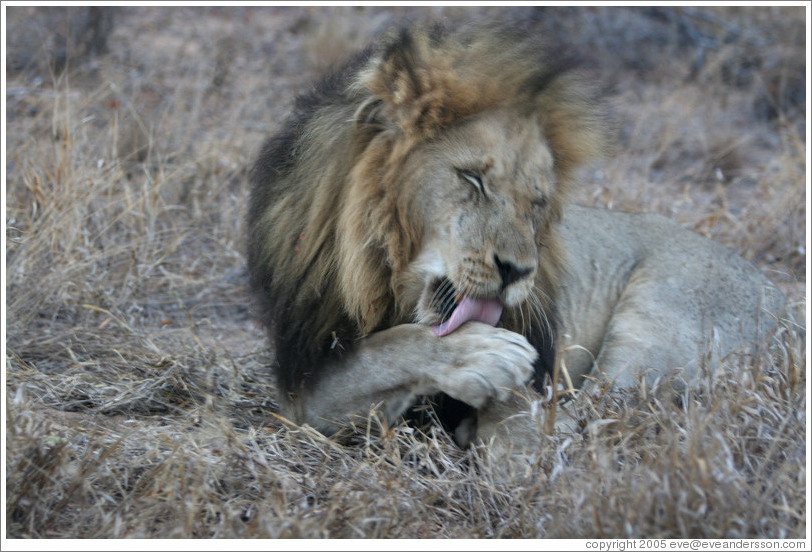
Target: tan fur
<point x="450" y="156"/>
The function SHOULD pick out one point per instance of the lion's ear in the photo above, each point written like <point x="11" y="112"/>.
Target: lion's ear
<point x="411" y="84"/>
<point x="370" y="113"/>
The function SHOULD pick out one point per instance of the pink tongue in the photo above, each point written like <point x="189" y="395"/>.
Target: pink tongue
<point x="482" y="310"/>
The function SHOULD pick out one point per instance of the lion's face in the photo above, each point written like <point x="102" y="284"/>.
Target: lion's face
<point x="484" y="192"/>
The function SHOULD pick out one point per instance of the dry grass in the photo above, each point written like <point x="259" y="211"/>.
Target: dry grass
<point x="138" y="398"/>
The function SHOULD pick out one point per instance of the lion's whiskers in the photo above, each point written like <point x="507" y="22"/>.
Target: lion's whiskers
<point x="443" y="300"/>
<point x="537" y="309"/>
<point x="535" y="313"/>
<point x="526" y="324"/>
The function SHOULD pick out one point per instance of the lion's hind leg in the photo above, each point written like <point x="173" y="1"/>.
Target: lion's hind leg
<point x="644" y="345"/>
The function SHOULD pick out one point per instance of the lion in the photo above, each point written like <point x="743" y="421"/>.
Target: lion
<point x="410" y="236"/>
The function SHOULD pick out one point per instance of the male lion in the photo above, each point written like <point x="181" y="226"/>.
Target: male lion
<point x="409" y="236"/>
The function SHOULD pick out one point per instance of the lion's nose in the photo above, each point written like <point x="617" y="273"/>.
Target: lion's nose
<point x="509" y="271"/>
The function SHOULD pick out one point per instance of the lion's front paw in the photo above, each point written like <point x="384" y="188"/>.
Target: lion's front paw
<point x="485" y="363"/>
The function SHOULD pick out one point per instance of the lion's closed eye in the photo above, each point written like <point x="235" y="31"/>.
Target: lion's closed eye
<point x="474" y="178"/>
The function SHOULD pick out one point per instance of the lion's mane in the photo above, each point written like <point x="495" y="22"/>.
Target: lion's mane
<point x="330" y="224"/>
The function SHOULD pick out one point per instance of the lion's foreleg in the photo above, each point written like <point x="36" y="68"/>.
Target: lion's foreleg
<point x="387" y="369"/>
<point x="476" y="364"/>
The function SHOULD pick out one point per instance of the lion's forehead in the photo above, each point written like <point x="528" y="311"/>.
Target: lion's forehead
<point x="525" y="175"/>
<point x="511" y="151"/>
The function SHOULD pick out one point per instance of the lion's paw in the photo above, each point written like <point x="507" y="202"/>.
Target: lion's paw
<point x="485" y="363"/>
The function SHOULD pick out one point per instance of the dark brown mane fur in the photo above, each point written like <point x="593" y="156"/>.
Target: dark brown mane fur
<point x="328" y="233"/>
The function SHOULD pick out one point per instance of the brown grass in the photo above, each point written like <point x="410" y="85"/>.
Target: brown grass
<point x="138" y="400"/>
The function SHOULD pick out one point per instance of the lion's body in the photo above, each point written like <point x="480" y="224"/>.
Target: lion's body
<point x="643" y="294"/>
<point x="420" y="192"/>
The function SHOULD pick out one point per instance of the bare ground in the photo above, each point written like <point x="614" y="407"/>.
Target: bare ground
<point x="138" y="398"/>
